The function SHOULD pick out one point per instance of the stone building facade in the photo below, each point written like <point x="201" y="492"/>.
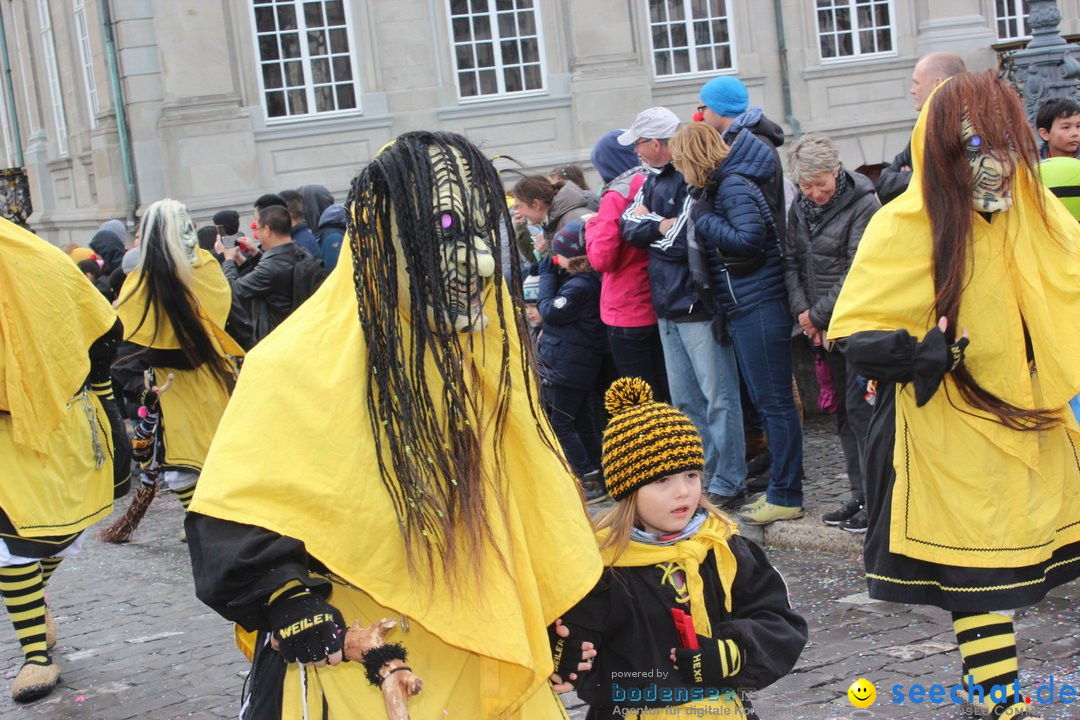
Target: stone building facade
<point x="226" y="99"/>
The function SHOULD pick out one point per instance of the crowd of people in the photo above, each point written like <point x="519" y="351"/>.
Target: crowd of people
<point x="661" y="311"/>
<point x="700" y="270"/>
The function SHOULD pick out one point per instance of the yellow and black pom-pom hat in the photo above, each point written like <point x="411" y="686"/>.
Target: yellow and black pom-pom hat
<point x="645" y="440"/>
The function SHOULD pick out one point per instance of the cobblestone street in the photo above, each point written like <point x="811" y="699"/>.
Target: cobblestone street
<point x="135" y="643"/>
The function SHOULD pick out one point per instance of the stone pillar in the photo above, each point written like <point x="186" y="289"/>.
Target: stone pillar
<point x="1048" y="66"/>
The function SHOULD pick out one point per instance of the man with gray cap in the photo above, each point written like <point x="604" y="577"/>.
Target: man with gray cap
<point x="930" y="71"/>
<point x="702" y="375"/>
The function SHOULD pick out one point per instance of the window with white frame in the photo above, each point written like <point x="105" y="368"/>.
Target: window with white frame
<point x="305" y="58"/>
<point x="496" y="47"/>
<point x="854" y="28"/>
<point x="48" y="49"/>
<point x="690" y="36"/>
<point x="1012" y="19"/>
<point x="86" y="61"/>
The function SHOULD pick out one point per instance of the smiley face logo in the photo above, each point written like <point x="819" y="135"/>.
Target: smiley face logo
<point x="862" y="693"/>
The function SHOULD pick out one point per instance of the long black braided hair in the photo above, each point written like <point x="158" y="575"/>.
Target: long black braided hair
<point x="431" y="463"/>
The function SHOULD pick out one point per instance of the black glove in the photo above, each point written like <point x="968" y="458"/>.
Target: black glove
<point x="566" y="654"/>
<point x="956" y="353"/>
<point x="546" y="265"/>
<point x="713" y="661"/>
<point x="308" y="629"/>
<point x="933" y="357"/>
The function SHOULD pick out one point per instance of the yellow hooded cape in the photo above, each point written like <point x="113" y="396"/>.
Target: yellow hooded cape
<point x="196" y="400"/>
<point x="970" y="492"/>
<point x="294" y="455"/>
<point x="50" y="315"/>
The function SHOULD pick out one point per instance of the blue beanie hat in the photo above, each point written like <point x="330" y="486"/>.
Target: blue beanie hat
<point x="569" y="242"/>
<point x="726" y="96"/>
<point x="610" y="158"/>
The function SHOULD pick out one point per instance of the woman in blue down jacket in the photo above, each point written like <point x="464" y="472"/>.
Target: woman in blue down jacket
<point x="733" y="223"/>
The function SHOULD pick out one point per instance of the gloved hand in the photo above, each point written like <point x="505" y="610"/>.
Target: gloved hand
<point x="956" y="353"/>
<point x="571" y="654"/>
<point x="308" y="628"/>
<point x="714" y="660"/>
<point x="934" y="357"/>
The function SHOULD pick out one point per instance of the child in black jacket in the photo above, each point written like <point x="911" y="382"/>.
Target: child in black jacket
<point x="570" y="352"/>
<point x="672" y="559"/>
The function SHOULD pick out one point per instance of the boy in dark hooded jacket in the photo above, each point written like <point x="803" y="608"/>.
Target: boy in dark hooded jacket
<point x="570" y="352"/>
<point x="331" y="234"/>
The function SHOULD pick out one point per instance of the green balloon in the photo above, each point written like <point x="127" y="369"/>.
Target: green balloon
<point x="1062" y="176"/>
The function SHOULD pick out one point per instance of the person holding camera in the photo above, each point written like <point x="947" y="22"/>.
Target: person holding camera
<point x="268" y="289"/>
<point x="736" y="228"/>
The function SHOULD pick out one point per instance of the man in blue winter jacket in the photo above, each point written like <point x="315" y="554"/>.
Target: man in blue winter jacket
<point x="702" y="374"/>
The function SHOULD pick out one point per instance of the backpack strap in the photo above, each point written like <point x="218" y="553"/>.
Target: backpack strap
<point x="763" y="209"/>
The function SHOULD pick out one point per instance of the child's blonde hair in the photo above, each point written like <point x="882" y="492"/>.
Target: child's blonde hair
<point x="622" y="518"/>
<point x="696" y="151"/>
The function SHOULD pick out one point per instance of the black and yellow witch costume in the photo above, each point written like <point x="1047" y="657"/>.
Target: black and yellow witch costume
<point x="307" y="503"/>
<point x="196" y="399"/>
<point x="965" y="513"/>
<point x="59" y="431"/>
<point x="969" y="514"/>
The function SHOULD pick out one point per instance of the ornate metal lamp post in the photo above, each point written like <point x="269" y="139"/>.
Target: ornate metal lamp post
<point x="1047" y="67"/>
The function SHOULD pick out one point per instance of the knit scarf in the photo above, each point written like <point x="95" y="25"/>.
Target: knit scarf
<point x="690" y="552"/>
<point x="814" y="212"/>
<point x="661" y="539"/>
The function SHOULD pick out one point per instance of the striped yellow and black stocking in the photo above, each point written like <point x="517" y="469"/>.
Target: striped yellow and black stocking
<point x="988" y="651"/>
<point x="23" y="591"/>
<point x="48" y="567"/>
<point x="184" y="495"/>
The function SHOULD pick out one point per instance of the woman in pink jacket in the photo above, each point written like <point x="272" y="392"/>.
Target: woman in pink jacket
<point x="625" y="300"/>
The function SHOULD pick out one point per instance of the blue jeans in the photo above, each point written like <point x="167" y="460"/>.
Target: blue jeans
<point x="704" y="383"/>
<point x="762" y="340"/>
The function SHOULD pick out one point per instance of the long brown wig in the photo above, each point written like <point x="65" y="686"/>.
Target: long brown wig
<point x="433" y="467"/>
<point x="997" y="116"/>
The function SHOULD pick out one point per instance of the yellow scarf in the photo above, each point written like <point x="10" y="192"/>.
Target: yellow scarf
<point x="294" y="454"/>
<point x="213" y="298"/>
<point x="1013" y="483"/>
<point x="713" y="535"/>
<point x="50" y="314"/>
